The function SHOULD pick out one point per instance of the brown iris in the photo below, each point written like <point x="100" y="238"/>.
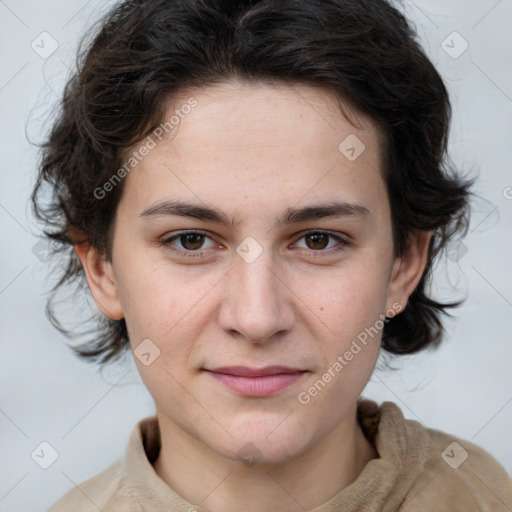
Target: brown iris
<point x="317" y="239"/>
<point x="192" y="241"/>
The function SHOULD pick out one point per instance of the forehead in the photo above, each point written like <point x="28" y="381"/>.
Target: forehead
<point x="247" y="145"/>
<point x="240" y="116"/>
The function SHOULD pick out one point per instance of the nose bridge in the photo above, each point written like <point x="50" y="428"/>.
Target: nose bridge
<point x="258" y="304"/>
<point x="257" y="277"/>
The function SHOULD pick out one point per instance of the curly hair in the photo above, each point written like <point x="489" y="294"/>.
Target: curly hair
<point x="142" y="53"/>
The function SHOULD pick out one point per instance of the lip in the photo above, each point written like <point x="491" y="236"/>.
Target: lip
<point x="245" y="371"/>
<point x="257" y="382"/>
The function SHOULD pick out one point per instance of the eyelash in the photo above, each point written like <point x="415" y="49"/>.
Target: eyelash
<point x="167" y="243"/>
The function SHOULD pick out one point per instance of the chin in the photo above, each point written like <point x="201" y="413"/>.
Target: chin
<point x="264" y="445"/>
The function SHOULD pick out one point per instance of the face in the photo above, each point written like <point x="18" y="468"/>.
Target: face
<point x="226" y="253"/>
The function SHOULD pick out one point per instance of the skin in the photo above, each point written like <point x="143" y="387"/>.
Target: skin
<point x="254" y="151"/>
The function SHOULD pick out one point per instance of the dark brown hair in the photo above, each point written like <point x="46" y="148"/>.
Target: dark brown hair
<point x="144" y="52"/>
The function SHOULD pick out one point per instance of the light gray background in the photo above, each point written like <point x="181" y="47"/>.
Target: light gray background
<point x="464" y="388"/>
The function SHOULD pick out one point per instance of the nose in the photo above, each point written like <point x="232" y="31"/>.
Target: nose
<point x="258" y="304"/>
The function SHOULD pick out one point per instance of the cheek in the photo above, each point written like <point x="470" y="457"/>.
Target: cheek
<point x="156" y="297"/>
<point x="351" y="332"/>
<point x="347" y="300"/>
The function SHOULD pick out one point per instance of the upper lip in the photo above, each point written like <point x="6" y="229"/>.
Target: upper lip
<point x="244" y="371"/>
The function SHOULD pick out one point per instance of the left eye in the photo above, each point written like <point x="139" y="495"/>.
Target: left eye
<point x="319" y="241"/>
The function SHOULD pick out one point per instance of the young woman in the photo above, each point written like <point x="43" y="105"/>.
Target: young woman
<point x="255" y="192"/>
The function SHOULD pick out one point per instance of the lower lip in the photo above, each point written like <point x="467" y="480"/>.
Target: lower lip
<point x="258" y="386"/>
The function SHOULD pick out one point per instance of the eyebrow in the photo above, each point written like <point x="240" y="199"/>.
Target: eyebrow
<point x="290" y="216"/>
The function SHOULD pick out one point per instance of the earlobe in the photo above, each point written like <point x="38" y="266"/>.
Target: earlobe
<point x="408" y="270"/>
<point x="101" y="280"/>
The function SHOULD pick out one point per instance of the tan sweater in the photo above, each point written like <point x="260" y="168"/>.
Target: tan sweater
<point x="418" y="470"/>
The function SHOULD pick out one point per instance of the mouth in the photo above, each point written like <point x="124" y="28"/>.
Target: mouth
<point x="256" y="382"/>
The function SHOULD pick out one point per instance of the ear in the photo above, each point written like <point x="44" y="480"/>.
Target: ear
<point x="101" y="279"/>
<point x="408" y="269"/>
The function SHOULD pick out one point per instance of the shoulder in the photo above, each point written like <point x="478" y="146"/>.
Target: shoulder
<point x="125" y="484"/>
<point x="107" y="491"/>
<point x="456" y="473"/>
<point x="422" y="468"/>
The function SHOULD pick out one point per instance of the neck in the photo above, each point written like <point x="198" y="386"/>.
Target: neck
<point x="209" y="480"/>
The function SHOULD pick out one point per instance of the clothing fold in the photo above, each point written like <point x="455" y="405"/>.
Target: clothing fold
<point x="418" y="469"/>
